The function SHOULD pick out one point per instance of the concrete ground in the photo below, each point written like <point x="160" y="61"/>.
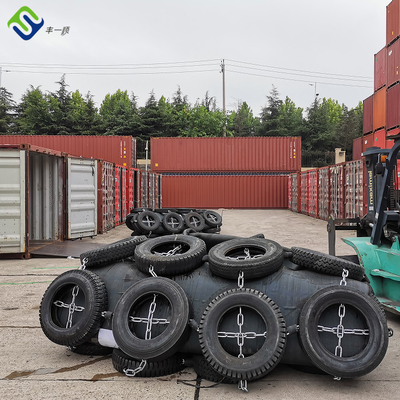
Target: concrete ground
<point x="32" y="367"/>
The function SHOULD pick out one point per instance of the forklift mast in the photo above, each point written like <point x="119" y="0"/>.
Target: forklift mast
<point x="383" y="212"/>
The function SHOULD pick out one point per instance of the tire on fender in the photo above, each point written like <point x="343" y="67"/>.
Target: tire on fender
<point x="255" y="257"/>
<point x="123" y="363"/>
<point x="263" y="328"/>
<point x="148" y="221"/>
<point x="71" y="308"/>
<point x="170" y="255"/>
<point x="325" y="263"/>
<point x="195" y="221"/>
<point x="363" y="327"/>
<point x="212" y="218"/>
<point x="173" y="222"/>
<point x="112" y="252"/>
<point x="169" y="319"/>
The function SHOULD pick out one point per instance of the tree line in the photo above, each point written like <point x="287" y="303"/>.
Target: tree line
<point x="323" y="126"/>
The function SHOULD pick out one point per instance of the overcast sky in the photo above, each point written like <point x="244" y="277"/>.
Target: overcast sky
<point x="291" y="44"/>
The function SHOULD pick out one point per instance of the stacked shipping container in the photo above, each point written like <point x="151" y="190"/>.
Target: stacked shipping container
<point x="382" y="109"/>
<point x="226" y="172"/>
<point x="119" y="183"/>
<point x="337" y="190"/>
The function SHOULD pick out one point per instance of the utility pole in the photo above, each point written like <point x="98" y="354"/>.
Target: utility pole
<point x="223" y="93"/>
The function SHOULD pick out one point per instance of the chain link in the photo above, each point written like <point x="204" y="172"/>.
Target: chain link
<point x="171" y="252"/>
<point x="155" y="321"/>
<point x="345" y="274"/>
<point x="152" y="308"/>
<point x="71" y="307"/>
<point x="83" y="265"/>
<point x="241" y="280"/>
<point x="151" y="272"/>
<point x="133" y="372"/>
<point x="242" y="385"/>
<point x="247" y="256"/>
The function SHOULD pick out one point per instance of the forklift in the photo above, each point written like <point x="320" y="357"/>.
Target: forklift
<point x="377" y="244"/>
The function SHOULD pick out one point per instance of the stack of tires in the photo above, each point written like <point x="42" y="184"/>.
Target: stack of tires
<point x="232" y="308"/>
<point x="163" y="221"/>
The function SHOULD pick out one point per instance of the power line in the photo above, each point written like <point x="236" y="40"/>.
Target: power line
<point x="299" y="70"/>
<point x="297" y="80"/>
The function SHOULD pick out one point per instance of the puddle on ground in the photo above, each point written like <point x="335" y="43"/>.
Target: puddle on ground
<point x="18" y="374"/>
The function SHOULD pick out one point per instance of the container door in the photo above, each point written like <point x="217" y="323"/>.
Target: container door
<point x="13" y="201"/>
<point x="82" y="198"/>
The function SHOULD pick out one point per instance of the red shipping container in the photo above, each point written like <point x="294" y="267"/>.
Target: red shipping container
<point x="379" y="109"/>
<point x="380" y="139"/>
<point x="312" y="178"/>
<point x="124" y="198"/>
<point x="380" y="69"/>
<point x="225" y="191"/>
<point x="226" y="154"/>
<point x="105" y="202"/>
<point x="368" y="141"/>
<point x="393" y="63"/>
<point x="337" y="209"/>
<point x="117" y="195"/>
<point x="392" y="21"/>
<point x="116" y="149"/>
<point x="393" y="132"/>
<point x="324" y="193"/>
<point x="304" y="193"/>
<point x="294" y="192"/>
<point x="393" y="107"/>
<point x="357" y="148"/>
<point x="368" y="114"/>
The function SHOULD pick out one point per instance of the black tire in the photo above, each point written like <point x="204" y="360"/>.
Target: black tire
<point x="227" y="258"/>
<point x="130" y="221"/>
<point x="360" y="353"/>
<point x="90" y="298"/>
<point x="140" y="209"/>
<point x="112" y="252"/>
<point x="188" y="256"/>
<point x="212" y="218"/>
<point x="204" y="370"/>
<point x="195" y="221"/>
<point x="172" y="307"/>
<point x="326" y="264"/>
<point x="123" y="363"/>
<point x="260" y="313"/>
<point x="91" y="349"/>
<point x="148" y="221"/>
<point x="164" y="210"/>
<point x="173" y="222"/>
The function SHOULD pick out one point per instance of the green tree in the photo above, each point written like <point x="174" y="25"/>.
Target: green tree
<point x="60" y="103"/>
<point x="242" y="122"/>
<point x="290" y="119"/>
<point x="7" y="111"/>
<point x="33" y="113"/>
<point x="118" y="114"/>
<point x="269" y="116"/>
<point x="202" y="122"/>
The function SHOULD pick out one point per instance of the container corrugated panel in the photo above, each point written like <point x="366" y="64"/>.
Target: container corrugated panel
<point x="392" y="21"/>
<point x="228" y="154"/>
<point x="144" y="186"/>
<point x="380" y="69"/>
<point x="292" y="192"/>
<point x="105" y="219"/>
<point x="225" y="190"/>
<point x="368" y="114"/>
<point x="380" y="139"/>
<point x="160" y="202"/>
<point x="393" y="63"/>
<point x="117" y="149"/>
<point x="304" y="193"/>
<point x="354" y="189"/>
<point x="130" y="189"/>
<point x="81" y="197"/>
<point x="357" y="148"/>
<point x="337" y="191"/>
<point x="13" y="199"/>
<point x="393" y="132"/>
<point x="393" y="107"/>
<point x="152" y="191"/>
<point x="117" y="195"/>
<point x="379" y="109"/>
<point x="312" y="181"/>
<point x="46" y="196"/>
<point x="124" y="198"/>
<point x="138" y="194"/>
<point x="324" y="193"/>
<point x="367" y="141"/>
